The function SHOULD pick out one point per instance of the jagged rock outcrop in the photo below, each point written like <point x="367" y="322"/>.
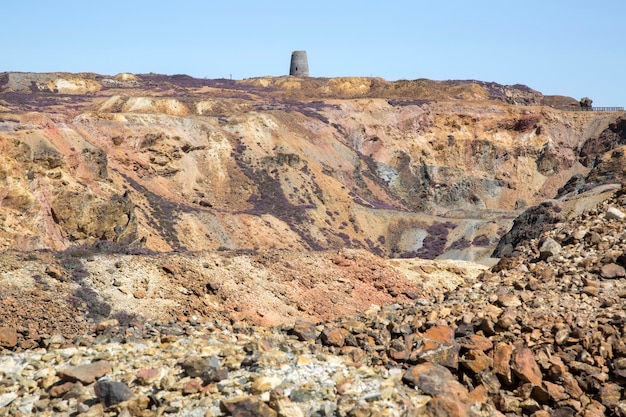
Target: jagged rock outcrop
<point x="119" y="170"/>
<point x="595" y="147"/>
<point x="398" y="168"/>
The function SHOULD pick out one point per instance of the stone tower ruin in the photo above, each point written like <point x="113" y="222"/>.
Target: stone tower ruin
<point x="299" y="64"/>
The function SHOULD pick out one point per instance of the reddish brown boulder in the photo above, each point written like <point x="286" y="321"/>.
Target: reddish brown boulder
<point x="501" y="362"/>
<point x="476" y="341"/>
<point x="610" y="395"/>
<point x="8" y="337"/>
<point x="305" y="330"/>
<point x="445" y="406"/>
<point x="524" y="365"/>
<point x="438" y="346"/>
<point x="556" y="392"/>
<point x="476" y="361"/>
<point x="435" y="380"/>
<point x="246" y="406"/>
<point x="612" y="271"/>
<point x="193" y="386"/>
<point x="148" y="376"/>
<point x="59" y="390"/>
<point x="571" y="385"/>
<point x="595" y="409"/>
<point x="507" y="403"/>
<point x="335" y="336"/>
<point x="86" y="374"/>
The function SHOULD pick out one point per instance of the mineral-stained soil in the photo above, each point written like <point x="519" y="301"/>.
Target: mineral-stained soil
<point x="300" y="247"/>
<point x="401" y="169"/>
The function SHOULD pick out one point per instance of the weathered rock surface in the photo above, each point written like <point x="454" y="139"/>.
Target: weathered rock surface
<point x="524" y="340"/>
<point x="108" y="326"/>
<point x="402" y="169"/>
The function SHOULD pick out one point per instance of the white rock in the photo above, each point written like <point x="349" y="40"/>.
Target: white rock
<point x="27" y="404"/>
<point x="264" y="384"/>
<point x="613" y="213"/>
<point x="6" y="399"/>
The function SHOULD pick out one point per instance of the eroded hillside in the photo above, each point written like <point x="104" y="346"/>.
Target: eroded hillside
<point x="402" y="169"/>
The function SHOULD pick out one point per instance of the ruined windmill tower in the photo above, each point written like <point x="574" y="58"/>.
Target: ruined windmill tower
<point x="299" y="64"/>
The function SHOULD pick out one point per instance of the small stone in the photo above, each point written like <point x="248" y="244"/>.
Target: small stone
<point x="534" y="284"/>
<point x="42" y="404"/>
<point x="612" y="271"/>
<point x="487" y="326"/>
<point x="476" y="341"/>
<point x="524" y="365"/>
<point x="56" y="341"/>
<point x="570" y="384"/>
<point x="265" y="383"/>
<point x="561" y="336"/>
<point x="192" y="386"/>
<point x="86" y="374"/>
<point x="490" y="381"/>
<point x="305" y="330"/>
<point x="8" y="337"/>
<point x="137" y="404"/>
<point x="196" y="366"/>
<point x="7" y="398"/>
<point x="508" y="299"/>
<point x="476" y="361"/>
<point x="55" y="271"/>
<point x="507" y="319"/>
<point x="335" y="336"/>
<point x="445" y="406"/>
<point x="595" y="409"/>
<point x="501" y="362"/>
<point x="148" y="376"/>
<point x="246" y="406"/>
<point x="508" y="403"/>
<point x="438" y="346"/>
<point x="610" y="395"/>
<point x="590" y="290"/>
<point x="110" y="393"/>
<point x="59" y="390"/>
<point x="139" y="294"/>
<point x="435" y="380"/>
<point x="82" y="408"/>
<point x="548" y="248"/>
<point x="556" y="392"/>
<point x="284" y="406"/>
<point x="106" y="324"/>
<point x="614" y="214"/>
<point x="214" y="375"/>
<point x="530" y="406"/>
<point x="540" y="394"/>
<point x="29" y="344"/>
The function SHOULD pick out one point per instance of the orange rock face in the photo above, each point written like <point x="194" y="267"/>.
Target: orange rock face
<point x="175" y="163"/>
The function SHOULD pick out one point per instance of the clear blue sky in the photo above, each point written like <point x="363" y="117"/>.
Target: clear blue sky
<point x="574" y="47"/>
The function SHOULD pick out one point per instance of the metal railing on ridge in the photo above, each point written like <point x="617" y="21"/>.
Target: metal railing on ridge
<point x="573" y="108"/>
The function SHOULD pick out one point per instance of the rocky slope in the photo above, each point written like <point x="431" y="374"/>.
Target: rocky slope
<point x="174" y="163"/>
<point x="175" y="246"/>
<point x="541" y="334"/>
